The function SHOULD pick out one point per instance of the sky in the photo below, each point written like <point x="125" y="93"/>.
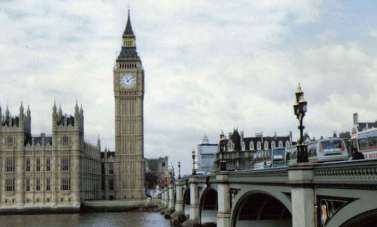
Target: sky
<point x="209" y="65"/>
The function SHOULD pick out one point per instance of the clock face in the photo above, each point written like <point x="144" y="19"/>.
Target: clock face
<point x="128" y="81"/>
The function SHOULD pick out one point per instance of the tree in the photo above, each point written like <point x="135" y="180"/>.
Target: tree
<point x="151" y="180"/>
<point x="346" y="136"/>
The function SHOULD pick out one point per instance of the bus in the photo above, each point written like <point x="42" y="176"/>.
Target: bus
<point x="366" y="142"/>
<point x="272" y="158"/>
<point x="323" y="150"/>
<point x="278" y="158"/>
<point x="262" y="159"/>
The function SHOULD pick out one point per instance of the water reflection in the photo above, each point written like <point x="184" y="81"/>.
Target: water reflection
<point x="122" y="219"/>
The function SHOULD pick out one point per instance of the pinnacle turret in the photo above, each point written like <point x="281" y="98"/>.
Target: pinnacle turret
<point x="28" y="113"/>
<point x="21" y="110"/>
<point x="77" y="109"/>
<point x="7" y="114"/>
<point x="60" y="111"/>
<point x="54" y="109"/>
<point x="99" y="143"/>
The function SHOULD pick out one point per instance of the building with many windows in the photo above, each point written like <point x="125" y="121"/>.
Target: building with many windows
<point x="206" y="156"/>
<point x="57" y="171"/>
<point x="241" y="152"/>
<point x="361" y="126"/>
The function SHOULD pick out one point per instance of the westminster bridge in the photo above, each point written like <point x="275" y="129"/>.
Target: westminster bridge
<point x="327" y="194"/>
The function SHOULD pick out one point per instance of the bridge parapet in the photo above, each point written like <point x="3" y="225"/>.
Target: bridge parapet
<point x="276" y="176"/>
<point x="362" y="173"/>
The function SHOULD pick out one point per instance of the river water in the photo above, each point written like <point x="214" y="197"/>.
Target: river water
<point x="121" y="219"/>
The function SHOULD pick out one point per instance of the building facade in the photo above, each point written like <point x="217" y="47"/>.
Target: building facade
<point x="157" y="175"/>
<point x="206" y="156"/>
<point x="361" y="126"/>
<point x="129" y="122"/>
<point x="159" y="167"/>
<point x="108" y="162"/>
<point x="57" y="171"/>
<point x="241" y="152"/>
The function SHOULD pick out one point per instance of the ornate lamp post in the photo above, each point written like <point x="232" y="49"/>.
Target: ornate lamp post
<point x="300" y="108"/>
<point x="193" y="163"/>
<point x="179" y="170"/>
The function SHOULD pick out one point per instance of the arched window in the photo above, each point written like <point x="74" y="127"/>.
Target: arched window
<point x="64" y="140"/>
<point x="280" y="144"/>
<point x="266" y="145"/>
<point x="259" y="146"/>
<point x="251" y="146"/>
<point x="287" y="144"/>
<point x="273" y="144"/>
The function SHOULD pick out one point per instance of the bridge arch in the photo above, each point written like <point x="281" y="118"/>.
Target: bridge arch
<point x="261" y="208"/>
<point x="186" y="201"/>
<point x="208" y="205"/>
<point x="368" y="218"/>
<point x="360" y="212"/>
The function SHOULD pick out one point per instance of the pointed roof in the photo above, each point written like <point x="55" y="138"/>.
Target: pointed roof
<point x="128" y="31"/>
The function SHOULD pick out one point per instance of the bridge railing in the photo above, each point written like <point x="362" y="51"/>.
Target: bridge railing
<point x="360" y="172"/>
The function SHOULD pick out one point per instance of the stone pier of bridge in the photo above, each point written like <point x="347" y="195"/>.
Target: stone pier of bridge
<point x="310" y="195"/>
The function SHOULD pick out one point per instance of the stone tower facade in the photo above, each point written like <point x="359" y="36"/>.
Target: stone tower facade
<point x="47" y="172"/>
<point x="129" y="129"/>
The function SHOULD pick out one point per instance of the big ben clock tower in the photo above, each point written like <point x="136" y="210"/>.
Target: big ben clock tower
<point x="129" y="128"/>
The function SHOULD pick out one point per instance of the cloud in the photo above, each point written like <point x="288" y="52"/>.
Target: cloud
<point x="210" y="66"/>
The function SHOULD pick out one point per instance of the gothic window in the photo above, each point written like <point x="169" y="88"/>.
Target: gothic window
<point x="280" y="144"/>
<point x="10" y="140"/>
<point x="27" y="184"/>
<point x="266" y="145"/>
<point x="103" y="185"/>
<point x="48" y="164"/>
<point x="251" y="146"/>
<point x="48" y="184"/>
<point x="259" y="146"/>
<point x="65" y="140"/>
<point x="273" y="144"/>
<point x="65" y="164"/>
<point x="27" y="164"/>
<point x="38" y="165"/>
<point x="287" y="144"/>
<point x="9" y="185"/>
<point x="111" y="184"/>
<point x="111" y="168"/>
<point x="65" y="184"/>
<point x="9" y="164"/>
<point x="37" y="184"/>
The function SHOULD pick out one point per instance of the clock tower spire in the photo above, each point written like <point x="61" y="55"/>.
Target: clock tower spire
<point x="129" y="119"/>
<point x="129" y="42"/>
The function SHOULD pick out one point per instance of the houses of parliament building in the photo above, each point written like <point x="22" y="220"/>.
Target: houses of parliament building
<point x="57" y="171"/>
<point x="62" y="170"/>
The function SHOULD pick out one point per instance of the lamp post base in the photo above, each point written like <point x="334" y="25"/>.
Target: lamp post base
<point x="302" y="153"/>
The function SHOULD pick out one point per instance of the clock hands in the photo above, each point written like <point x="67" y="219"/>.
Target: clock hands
<point x="128" y="80"/>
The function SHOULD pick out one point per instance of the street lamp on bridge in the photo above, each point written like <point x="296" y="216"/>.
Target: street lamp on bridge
<point x="300" y="108"/>
<point x="193" y="163"/>
<point x="179" y="170"/>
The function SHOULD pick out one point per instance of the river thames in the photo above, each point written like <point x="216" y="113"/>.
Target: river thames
<point x="121" y="219"/>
